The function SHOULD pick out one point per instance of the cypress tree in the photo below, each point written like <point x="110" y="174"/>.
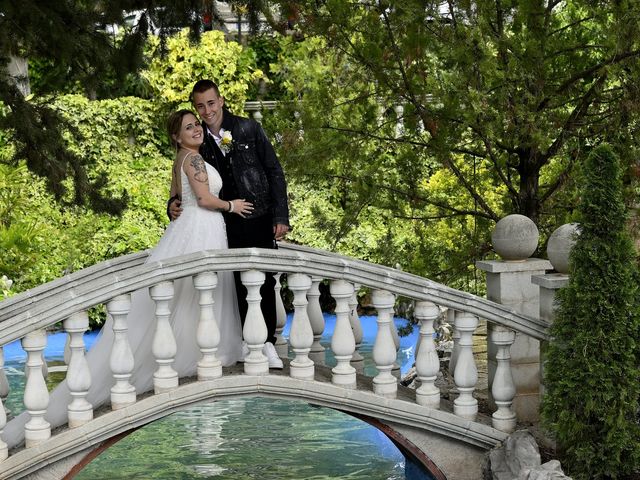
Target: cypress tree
<point x="591" y="372"/>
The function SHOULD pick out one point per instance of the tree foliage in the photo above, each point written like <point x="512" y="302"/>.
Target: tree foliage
<point x="592" y="378"/>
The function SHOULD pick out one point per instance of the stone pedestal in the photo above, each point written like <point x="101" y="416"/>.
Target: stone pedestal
<point x="549" y="285"/>
<point x="509" y="283"/>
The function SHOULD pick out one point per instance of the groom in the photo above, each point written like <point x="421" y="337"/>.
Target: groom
<point x="241" y="152"/>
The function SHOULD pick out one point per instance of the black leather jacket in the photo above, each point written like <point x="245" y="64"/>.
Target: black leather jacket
<point x="257" y="173"/>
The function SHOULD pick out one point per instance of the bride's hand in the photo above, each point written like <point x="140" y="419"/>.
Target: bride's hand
<point x="241" y="207"/>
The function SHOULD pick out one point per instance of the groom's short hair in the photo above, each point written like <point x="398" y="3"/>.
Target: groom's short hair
<point x="202" y="86"/>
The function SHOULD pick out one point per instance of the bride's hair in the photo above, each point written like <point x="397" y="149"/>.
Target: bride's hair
<point x="174" y="123"/>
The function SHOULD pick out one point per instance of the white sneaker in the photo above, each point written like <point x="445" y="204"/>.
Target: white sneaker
<point x="270" y="351"/>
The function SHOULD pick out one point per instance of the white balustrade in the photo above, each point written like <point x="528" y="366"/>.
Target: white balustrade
<point x="121" y="361"/>
<point x="455" y="337"/>
<point x="301" y="336"/>
<point x="4" y="449"/>
<point x="384" y="348"/>
<point x="254" y="330"/>
<point x="80" y="411"/>
<point x="281" y="319"/>
<point x="343" y="342"/>
<point x="4" y="382"/>
<point x="358" y="360"/>
<point x="207" y="333"/>
<point x="395" y="370"/>
<point x="164" y="346"/>
<point x="36" y="395"/>
<point x="427" y="361"/>
<point x="503" y="389"/>
<point x="316" y="318"/>
<point x="466" y="373"/>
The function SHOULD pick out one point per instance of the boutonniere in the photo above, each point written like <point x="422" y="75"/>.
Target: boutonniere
<point x="226" y="143"/>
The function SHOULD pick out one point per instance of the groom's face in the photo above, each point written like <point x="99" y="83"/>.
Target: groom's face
<point x="209" y="106"/>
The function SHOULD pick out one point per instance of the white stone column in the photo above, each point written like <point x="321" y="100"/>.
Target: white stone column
<point x="80" y="411"/>
<point x="301" y="336"/>
<point x="466" y="374"/>
<point x="559" y="246"/>
<point x="4" y="449"/>
<point x="395" y="371"/>
<point x="207" y="333"/>
<point x="254" y="330"/>
<point x="343" y="342"/>
<point x="317" y="353"/>
<point x="281" y="320"/>
<point x="164" y="346"/>
<point x="503" y="389"/>
<point x="121" y="360"/>
<point x="427" y="361"/>
<point x="36" y="395"/>
<point x="4" y="382"/>
<point x="357" y="361"/>
<point x="455" y="336"/>
<point x="384" y="348"/>
<point x="515" y="238"/>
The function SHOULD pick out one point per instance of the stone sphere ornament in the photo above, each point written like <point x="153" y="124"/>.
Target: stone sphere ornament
<point x="515" y="238"/>
<point x="560" y="244"/>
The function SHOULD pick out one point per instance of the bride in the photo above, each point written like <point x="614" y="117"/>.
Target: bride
<point x="199" y="227"/>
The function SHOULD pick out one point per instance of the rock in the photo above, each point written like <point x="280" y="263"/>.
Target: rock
<point x="519" y="458"/>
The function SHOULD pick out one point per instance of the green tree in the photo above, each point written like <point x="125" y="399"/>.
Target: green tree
<point x="592" y="378"/>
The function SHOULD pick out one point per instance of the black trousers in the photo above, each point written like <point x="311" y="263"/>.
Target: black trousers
<point x="255" y="232"/>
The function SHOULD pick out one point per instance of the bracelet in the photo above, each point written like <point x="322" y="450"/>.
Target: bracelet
<point x="230" y="206"/>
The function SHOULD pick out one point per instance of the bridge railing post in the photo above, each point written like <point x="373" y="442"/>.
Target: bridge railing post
<point x="301" y="336"/>
<point x="207" y="332"/>
<point x="357" y="361"/>
<point x="4" y="383"/>
<point x="164" y="345"/>
<point x="254" y="331"/>
<point x="317" y="353"/>
<point x="121" y="360"/>
<point x="281" y="319"/>
<point x="4" y="448"/>
<point x="343" y="343"/>
<point x="79" y="411"/>
<point x="427" y="361"/>
<point x="384" y="348"/>
<point x="466" y="373"/>
<point x="36" y="395"/>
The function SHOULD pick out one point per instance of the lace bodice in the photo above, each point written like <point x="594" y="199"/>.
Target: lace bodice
<point x="188" y="197"/>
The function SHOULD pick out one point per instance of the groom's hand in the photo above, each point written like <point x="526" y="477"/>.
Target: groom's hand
<point x="174" y="209"/>
<point x="280" y="230"/>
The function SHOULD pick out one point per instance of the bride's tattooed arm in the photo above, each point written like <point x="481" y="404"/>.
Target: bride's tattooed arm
<point x="200" y="172"/>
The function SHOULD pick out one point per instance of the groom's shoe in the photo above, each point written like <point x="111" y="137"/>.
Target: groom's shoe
<point x="270" y="351"/>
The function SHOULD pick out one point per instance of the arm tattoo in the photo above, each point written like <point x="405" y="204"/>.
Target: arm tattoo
<point x="200" y="174"/>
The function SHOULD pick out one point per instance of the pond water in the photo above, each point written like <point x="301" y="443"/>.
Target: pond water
<point x="252" y="438"/>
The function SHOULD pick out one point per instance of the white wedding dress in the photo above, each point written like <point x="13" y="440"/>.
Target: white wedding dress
<point x="196" y="229"/>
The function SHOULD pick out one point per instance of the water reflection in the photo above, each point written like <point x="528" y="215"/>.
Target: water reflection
<point x="251" y="438"/>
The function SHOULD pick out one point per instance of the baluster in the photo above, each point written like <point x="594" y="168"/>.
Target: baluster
<point x="427" y="361"/>
<point x="254" y="330"/>
<point x="164" y="346"/>
<point x="4" y="449"/>
<point x="36" y="395"/>
<point x="503" y="388"/>
<point x="343" y="343"/>
<point x="317" y="320"/>
<point x="4" y="383"/>
<point x="80" y="411"/>
<point x="121" y="360"/>
<point x="455" y="336"/>
<point x="384" y="348"/>
<point x="301" y="337"/>
<point x="207" y="333"/>
<point x="281" y="319"/>
<point x="395" y="370"/>
<point x="358" y="360"/>
<point x="466" y="373"/>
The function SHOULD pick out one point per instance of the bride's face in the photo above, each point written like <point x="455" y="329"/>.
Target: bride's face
<point x="191" y="134"/>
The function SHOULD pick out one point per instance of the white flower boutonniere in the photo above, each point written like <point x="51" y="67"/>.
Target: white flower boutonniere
<point x="226" y="143"/>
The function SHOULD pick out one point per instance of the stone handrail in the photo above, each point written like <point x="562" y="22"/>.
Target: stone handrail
<point x="52" y="302"/>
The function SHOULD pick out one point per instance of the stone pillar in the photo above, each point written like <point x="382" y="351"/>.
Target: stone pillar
<point x="281" y="315"/>
<point x="558" y="248"/>
<point x="515" y="238"/>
